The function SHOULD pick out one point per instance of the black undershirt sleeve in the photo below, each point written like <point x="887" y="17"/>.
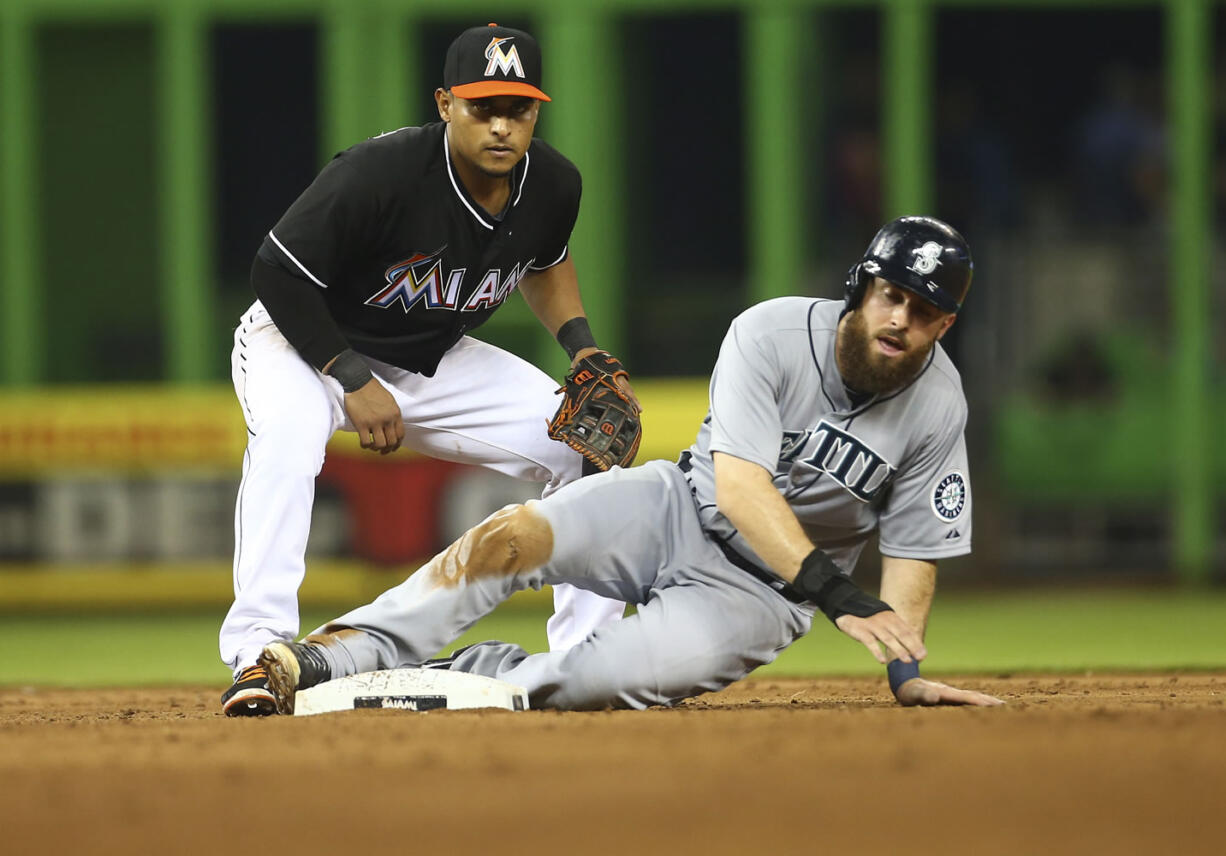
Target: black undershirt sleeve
<point x="298" y="309"/>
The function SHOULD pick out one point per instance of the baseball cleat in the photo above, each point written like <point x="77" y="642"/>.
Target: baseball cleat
<point x="293" y="666"/>
<point x="250" y="695"/>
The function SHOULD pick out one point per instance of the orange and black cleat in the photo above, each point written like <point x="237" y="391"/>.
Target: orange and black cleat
<point x="250" y="695"/>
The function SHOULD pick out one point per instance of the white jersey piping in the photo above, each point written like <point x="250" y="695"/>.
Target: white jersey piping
<point x="556" y="261"/>
<point x="523" y="179"/>
<point x="456" y="187"/>
<point x="292" y="258"/>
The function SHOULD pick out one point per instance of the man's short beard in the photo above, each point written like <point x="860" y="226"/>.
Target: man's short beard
<point x="490" y="173"/>
<point x="864" y="368"/>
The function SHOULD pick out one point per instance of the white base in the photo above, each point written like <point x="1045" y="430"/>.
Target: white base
<point x="409" y="689"/>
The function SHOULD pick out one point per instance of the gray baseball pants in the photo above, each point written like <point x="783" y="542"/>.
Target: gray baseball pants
<point x="632" y="534"/>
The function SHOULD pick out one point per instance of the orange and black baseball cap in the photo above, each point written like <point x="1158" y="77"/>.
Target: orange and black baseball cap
<point x="487" y="61"/>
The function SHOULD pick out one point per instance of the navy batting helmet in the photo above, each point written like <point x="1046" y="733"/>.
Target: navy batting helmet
<point x="920" y="254"/>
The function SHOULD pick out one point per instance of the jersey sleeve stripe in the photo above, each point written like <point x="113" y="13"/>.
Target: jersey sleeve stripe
<point x="300" y="265"/>
<point x="557" y="261"/>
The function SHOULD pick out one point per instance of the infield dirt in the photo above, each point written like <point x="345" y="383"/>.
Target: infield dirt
<point x="1086" y="764"/>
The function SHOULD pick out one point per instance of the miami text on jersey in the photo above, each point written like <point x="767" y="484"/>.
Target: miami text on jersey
<point x="842" y="456"/>
<point x="420" y="279"/>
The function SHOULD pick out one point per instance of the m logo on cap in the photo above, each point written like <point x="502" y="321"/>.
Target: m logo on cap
<point x="499" y="61"/>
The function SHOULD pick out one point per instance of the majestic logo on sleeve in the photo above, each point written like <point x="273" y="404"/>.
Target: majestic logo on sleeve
<point x="949" y="497"/>
<point x="504" y="61"/>
<point x="421" y="279"/>
<point x="844" y="458"/>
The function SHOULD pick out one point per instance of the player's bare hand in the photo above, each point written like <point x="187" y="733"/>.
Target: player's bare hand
<point x="375" y="417"/>
<point x="900" y="639"/>
<point x="919" y="691"/>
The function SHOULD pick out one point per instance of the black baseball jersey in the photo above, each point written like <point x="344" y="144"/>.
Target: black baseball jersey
<point x="407" y="261"/>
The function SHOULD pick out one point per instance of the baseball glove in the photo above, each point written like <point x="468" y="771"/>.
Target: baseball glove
<point x="596" y="418"/>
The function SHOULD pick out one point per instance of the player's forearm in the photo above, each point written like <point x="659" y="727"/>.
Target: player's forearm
<point x="300" y="313"/>
<point x="553" y="295"/>
<point x="745" y="495"/>
<point x="908" y="586"/>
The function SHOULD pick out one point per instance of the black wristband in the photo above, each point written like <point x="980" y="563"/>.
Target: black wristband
<point x="899" y="673"/>
<point x="821" y="581"/>
<point x="575" y="335"/>
<point x="351" y="370"/>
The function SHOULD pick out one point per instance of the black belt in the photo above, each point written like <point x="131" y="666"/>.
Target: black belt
<point x="685" y="464"/>
<point x="779" y="585"/>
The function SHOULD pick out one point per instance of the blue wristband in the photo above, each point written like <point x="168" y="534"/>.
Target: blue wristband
<point x="900" y="672"/>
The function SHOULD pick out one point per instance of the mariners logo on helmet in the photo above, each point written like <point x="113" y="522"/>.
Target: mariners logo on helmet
<point x="920" y="254"/>
<point x="927" y="258"/>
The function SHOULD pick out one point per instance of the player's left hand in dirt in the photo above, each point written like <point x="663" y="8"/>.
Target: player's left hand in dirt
<point x="919" y="691"/>
<point x="599" y="415"/>
<point x="376" y="418"/>
<point x="887" y="628"/>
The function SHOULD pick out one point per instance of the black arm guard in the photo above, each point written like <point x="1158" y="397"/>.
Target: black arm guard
<point x="821" y="581"/>
<point x="298" y="309"/>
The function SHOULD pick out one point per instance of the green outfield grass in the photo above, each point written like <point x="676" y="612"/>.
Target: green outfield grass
<point x="1048" y="630"/>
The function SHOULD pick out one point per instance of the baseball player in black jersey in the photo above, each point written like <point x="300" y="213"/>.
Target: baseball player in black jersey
<point x="366" y="288"/>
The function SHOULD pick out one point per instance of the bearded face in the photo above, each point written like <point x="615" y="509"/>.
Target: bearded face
<point x="886" y="341"/>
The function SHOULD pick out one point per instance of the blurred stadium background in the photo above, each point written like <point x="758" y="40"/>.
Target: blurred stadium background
<point x="731" y="151"/>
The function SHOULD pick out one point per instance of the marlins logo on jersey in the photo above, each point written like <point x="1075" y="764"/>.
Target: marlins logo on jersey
<point x="421" y="279"/>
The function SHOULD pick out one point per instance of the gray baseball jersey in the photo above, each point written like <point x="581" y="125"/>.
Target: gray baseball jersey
<point x="897" y="461"/>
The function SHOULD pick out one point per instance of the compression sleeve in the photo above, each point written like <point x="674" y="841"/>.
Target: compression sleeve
<point x="298" y="309"/>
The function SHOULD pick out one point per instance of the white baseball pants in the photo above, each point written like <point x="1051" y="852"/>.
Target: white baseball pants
<point x="483" y="406"/>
